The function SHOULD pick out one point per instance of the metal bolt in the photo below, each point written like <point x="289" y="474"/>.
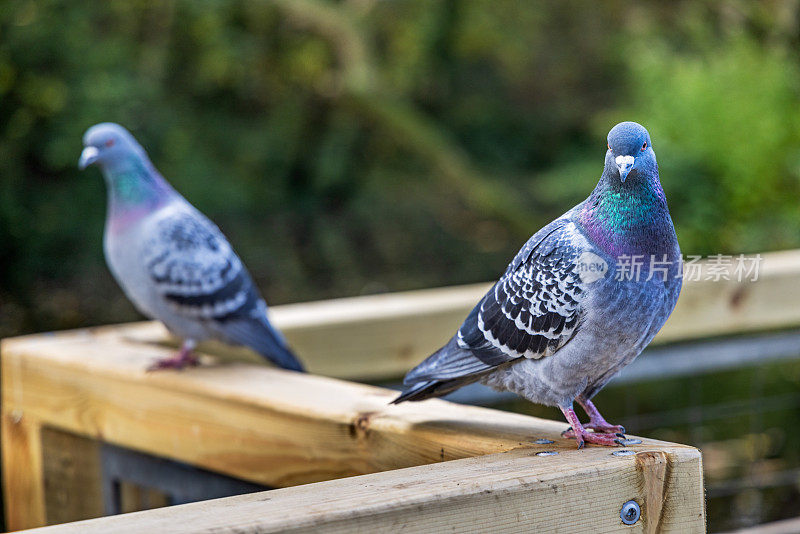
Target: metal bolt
<point x="546" y="453"/>
<point x="623" y="452"/>
<point x="543" y="441"/>
<point x="630" y="512"/>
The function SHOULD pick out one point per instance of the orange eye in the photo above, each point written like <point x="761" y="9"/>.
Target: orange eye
<point x="644" y="146"/>
<point x="609" y="145"/>
<point x="109" y="143"/>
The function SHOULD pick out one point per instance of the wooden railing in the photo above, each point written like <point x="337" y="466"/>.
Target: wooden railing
<point x="365" y="465"/>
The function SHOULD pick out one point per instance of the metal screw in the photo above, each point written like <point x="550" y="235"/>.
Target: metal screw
<point x="632" y="441"/>
<point x="546" y="453"/>
<point x="543" y="441"/>
<point x="630" y="512"/>
<point x="623" y="452"/>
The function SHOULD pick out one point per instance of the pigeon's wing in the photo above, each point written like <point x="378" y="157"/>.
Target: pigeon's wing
<point x="531" y="312"/>
<point x="195" y="270"/>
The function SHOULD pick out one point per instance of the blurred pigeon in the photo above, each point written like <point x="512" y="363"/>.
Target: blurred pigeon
<point x="172" y="262"/>
<point x="579" y="302"/>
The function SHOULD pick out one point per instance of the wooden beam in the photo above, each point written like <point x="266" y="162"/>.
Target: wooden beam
<point x="381" y="337"/>
<point x="372" y="337"/>
<point x="72" y="476"/>
<point x="715" y="308"/>
<point x="23" y="476"/>
<point x="516" y="491"/>
<point x="255" y="423"/>
<point x="270" y="426"/>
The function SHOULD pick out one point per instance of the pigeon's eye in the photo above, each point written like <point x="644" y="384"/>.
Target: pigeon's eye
<point x="644" y="146"/>
<point x="109" y="143"/>
<point x="609" y="145"/>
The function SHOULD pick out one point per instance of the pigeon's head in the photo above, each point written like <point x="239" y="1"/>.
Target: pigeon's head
<point x="108" y="145"/>
<point x="629" y="149"/>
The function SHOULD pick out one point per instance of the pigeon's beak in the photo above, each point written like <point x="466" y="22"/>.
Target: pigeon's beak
<point x="625" y="164"/>
<point x="88" y="156"/>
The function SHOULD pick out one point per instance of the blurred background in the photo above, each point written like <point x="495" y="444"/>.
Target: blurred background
<point x="364" y="146"/>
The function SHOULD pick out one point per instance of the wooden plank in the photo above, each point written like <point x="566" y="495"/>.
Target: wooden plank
<point x="516" y="491"/>
<point x="269" y="426"/>
<point x="371" y="337"/>
<point x="23" y="479"/>
<point x="383" y="336"/>
<point x="714" y="308"/>
<point x="72" y="477"/>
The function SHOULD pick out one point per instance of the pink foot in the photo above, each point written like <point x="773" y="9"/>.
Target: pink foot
<point x="604" y="427"/>
<point x="609" y="440"/>
<point x="583" y="436"/>
<point x="181" y="359"/>
<point x="596" y="421"/>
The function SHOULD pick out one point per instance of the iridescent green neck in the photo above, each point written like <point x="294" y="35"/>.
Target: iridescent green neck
<point x="135" y="188"/>
<point x="629" y="218"/>
<point x="133" y="184"/>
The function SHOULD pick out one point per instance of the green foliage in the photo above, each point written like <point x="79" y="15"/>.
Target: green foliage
<point x="350" y="147"/>
<point x="727" y="127"/>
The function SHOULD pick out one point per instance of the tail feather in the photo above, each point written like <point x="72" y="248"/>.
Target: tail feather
<point x="443" y="372"/>
<point x="433" y="388"/>
<point x="449" y="362"/>
<point x="262" y="337"/>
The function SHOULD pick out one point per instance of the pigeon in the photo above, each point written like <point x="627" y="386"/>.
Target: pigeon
<point x="579" y="302"/>
<point x="171" y="261"/>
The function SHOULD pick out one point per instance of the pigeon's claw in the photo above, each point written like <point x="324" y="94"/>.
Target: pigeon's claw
<point x="602" y="427"/>
<point x="602" y="439"/>
<point x="597" y="422"/>
<point x="181" y="359"/>
<point x="583" y="435"/>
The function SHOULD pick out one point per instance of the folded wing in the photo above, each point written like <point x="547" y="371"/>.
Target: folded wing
<point x="195" y="270"/>
<point x="531" y="312"/>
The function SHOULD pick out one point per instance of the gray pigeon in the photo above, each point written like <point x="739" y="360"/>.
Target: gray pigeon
<point x="172" y="262"/>
<point x="579" y="302"/>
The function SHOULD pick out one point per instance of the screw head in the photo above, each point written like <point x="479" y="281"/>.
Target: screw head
<point x="630" y="512"/>
<point x="543" y="441"/>
<point x="547" y="453"/>
<point x="623" y="452"/>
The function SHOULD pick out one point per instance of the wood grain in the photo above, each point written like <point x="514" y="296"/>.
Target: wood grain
<point x="653" y="468"/>
<point x="72" y="476"/>
<point x="23" y="476"/>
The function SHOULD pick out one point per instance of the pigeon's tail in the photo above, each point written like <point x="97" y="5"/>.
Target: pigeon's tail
<point x="262" y="337"/>
<point x="433" y="388"/>
<point x="443" y="372"/>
